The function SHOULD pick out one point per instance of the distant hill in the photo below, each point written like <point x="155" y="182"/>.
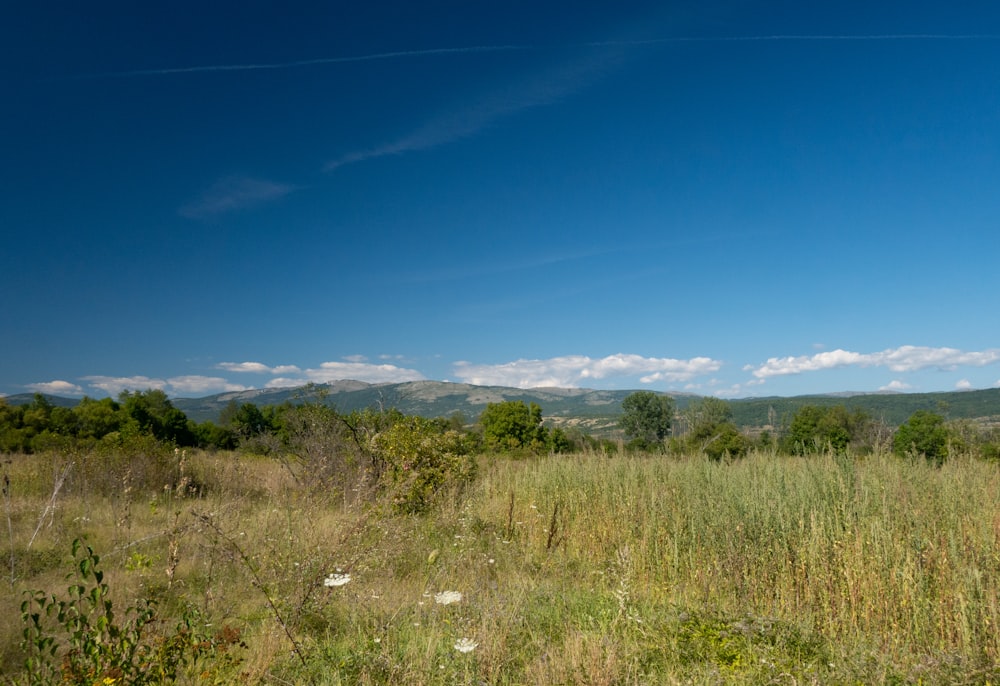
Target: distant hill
<point x="592" y="410"/>
<point x="894" y="408"/>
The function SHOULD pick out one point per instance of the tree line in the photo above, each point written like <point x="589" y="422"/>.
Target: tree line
<point x="650" y="421"/>
<point x="40" y="425"/>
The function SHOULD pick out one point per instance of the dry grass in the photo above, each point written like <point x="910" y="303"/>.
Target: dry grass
<point x="578" y="569"/>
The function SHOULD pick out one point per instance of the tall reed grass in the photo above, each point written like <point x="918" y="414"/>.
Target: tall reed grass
<point x="571" y="569"/>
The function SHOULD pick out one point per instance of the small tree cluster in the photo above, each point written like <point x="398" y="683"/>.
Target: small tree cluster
<point x="513" y="426"/>
<point x="647" y="419"/>
<point x="923" y="434"/>
<point x="820" y="429"/>
<point x="41" y="425"/>
<point x="710" y="430"/>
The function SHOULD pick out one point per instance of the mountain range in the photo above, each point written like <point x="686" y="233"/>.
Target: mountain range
<point x="593" y="411"/>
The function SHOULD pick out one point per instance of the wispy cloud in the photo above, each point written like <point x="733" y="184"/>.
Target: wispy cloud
<point x="572" y="371"/>
<point x="234" y="193"/>
<point x="257" y="368"/>
<point x="56" y="387"/>
<point x="353" y="367"/>
<point x="362" y="371"/>
<point x="113" y="385"/>
<point x="192" y="384"/>
<point x="905" y="358"/>
<point x="545" y="88"/>
<point x="203" y="385"/>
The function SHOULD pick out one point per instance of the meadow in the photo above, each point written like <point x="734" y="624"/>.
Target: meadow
<point x="564" y="569"/>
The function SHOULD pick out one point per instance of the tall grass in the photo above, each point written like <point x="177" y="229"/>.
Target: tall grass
<point x="572" y="569"/>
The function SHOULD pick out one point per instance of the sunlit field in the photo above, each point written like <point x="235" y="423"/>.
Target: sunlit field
<point x="579" y="569"/>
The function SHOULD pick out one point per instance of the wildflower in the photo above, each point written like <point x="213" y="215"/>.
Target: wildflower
<point x="447" y="597"/>
<point x="465" y="645"/>
<point x="336" y="580"/>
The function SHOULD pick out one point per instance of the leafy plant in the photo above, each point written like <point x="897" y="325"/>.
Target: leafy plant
<point x="81" y="640"/>
<point x="420" y="461"/>
<point x="924" y="433"/>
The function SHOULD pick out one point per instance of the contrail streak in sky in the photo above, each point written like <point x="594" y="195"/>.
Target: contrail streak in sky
<point x="522" y="48"/>
<point x="312" y="62"/>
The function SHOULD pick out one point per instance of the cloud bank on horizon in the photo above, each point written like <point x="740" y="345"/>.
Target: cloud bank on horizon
<point x="569" y="371"/>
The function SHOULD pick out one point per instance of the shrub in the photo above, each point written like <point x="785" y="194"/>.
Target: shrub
<point x="81" y="640"/>
<point x="420" y="460"/>
<point x="924" y="433"/>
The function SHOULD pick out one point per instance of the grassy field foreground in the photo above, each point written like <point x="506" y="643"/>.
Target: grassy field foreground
<point x="559" y="570"/>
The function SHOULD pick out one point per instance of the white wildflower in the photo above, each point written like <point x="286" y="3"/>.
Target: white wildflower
<point x="465" y="645"/>
<point x="336" y="580"/>
<point x="447" y="597"/>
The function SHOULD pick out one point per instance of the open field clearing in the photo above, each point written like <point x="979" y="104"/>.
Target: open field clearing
<point x="578" y="569"/>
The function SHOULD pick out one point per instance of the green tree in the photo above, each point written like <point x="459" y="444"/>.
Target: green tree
<point x="817" y="429"/>
<point x="247" y="421"/>
<point x="710" y="429"/>
<point x="706" y="412"/>
<point x="647" y="418"/>
<point x="924" y="433"/>
<point x="97" y="418"/>
<point x="151" y="411"/>
<point x="512" y="425"/>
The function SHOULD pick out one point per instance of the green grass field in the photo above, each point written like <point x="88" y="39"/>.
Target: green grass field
<point x="581" y="569"/>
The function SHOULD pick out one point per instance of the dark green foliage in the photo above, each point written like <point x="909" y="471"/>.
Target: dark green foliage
<point x="98" y="418"/>
<point x="512" y="425"/>
<point x="924" y="433"/>
<point x="647" y="418"/>
<point x="818" y="429"/>
<point x="212" y="437"/>
<point x="246" y="420"/>
<point x="726" y="442"/>
<point x="710" y="430"/>
<point x="40" y="425"/>
<point x="153" y="412"/>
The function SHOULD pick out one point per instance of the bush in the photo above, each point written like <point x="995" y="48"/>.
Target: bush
<point x="81" y="640"/>
<point x="924" y="433"/>
<point x="420" y="461"/>
<point x="512" y="426"/>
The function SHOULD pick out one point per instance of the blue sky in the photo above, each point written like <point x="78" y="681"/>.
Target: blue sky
<point x="727" y="198"/>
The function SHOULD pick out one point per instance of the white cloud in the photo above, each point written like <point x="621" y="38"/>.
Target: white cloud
<point x="356" y="358"/>
<point x="362" y="371"/>
<point x="56" y="387"/>
<point x="282" y="382"/>
<point x="906" y="358"/>
<point x="257" y="368"/>
<point x="731" y="392"/>
<point x="963" y="384"/>
<point x="113" y="385"/>
<point x="572" y="370"/>
<point x="896" y="385"/>
<point x="234" y="193"/>
<point x="203" y="385"/>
